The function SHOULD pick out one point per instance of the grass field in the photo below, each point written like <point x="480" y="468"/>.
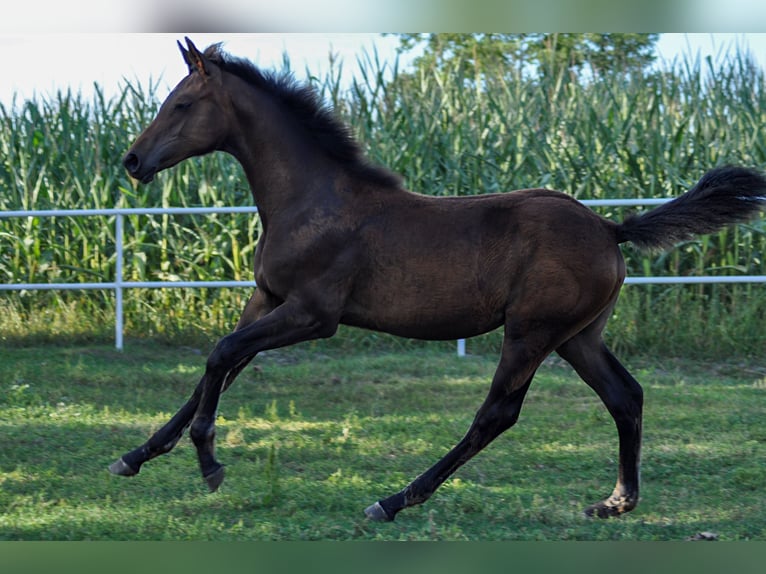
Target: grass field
<point x="313" y="434"/>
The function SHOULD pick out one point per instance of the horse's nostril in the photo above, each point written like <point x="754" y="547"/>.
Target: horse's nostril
<point x="131" y="163"/>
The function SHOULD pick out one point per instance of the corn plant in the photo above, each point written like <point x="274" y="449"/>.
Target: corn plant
<point x="446" y="132"/>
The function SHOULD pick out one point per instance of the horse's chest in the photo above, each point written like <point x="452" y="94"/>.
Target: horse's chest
<point x="282" y="266"/>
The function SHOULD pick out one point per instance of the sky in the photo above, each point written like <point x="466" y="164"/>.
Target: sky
<point x="42" y="64"/>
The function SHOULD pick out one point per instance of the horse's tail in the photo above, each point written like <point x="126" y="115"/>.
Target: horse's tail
<point x="723" y="196"/>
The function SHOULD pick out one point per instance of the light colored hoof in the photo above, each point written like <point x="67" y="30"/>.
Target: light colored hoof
<point x="121" y="468"/>
<point x="375" y="512"/>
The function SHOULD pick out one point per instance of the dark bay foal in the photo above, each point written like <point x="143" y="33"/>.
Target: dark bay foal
<point x="344" y="243"/>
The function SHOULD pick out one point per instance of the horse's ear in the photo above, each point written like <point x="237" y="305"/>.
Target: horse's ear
<point x="193" y="58"/>
<point x="187" y="57"/>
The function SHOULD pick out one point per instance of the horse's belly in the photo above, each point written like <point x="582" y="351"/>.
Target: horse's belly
<point x="431" y="318"/>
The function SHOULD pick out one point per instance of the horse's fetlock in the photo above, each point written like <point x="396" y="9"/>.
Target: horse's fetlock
<point x="202" y="431"/>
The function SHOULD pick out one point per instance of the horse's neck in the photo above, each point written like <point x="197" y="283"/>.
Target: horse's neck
<point x="283" y="170"/>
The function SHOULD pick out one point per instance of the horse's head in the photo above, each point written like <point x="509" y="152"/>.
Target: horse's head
<point x="191" y="121"/>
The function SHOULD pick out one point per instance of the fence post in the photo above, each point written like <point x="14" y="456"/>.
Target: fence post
<point x="118" y="318"/>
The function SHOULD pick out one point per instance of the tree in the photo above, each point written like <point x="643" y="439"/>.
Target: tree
<point x="471" y="50"/>
<point x="604" y="53"/>
<point x="546" y="53"/>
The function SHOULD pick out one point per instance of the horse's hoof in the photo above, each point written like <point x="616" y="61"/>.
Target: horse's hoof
<point x="215" y="478"/>
<point x="603" y="510"/>
<point x="121" y="468"/>
<point x="375" y="512"/>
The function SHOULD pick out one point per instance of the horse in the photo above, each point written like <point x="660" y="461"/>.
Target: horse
<point x="343" y="242"/>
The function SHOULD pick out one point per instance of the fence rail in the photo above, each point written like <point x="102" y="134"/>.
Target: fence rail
<point x="119" y="284"/>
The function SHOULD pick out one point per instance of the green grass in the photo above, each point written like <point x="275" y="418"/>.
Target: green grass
<point x="313" y="434"/>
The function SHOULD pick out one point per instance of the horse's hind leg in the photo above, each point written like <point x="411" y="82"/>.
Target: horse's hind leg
<point x="623" y="398"/>
<point x="164" y="439"/>
<point x="499" y="412"/>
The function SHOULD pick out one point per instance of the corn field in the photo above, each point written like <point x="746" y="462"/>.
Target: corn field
<point x="447" y="134"/>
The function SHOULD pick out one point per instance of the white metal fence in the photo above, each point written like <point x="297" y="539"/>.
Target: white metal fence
<point x="119" y="284"/>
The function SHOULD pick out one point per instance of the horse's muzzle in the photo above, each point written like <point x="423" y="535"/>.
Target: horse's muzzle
<point x="133" y="165"/>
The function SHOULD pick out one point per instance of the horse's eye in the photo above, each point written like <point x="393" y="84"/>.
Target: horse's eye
<point x="183" y="106"/>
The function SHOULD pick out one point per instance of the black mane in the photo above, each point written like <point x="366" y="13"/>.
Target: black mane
<point x="304" y="102"/>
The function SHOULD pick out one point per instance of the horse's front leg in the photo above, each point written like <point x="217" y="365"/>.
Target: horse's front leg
<point x="288" y="324"/>
<point x="161" y="442"/>
<point x="164" y="439"/>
